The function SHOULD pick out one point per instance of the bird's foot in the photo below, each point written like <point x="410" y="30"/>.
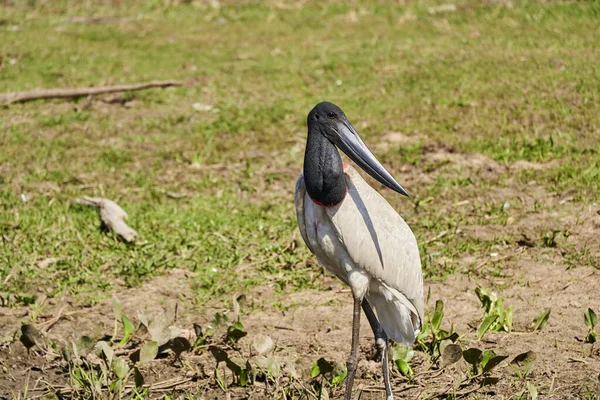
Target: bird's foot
<point x="380" y="347"/>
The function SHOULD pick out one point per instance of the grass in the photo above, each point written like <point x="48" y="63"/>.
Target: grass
<point x="511" y="83"/>
<point x="207" y="171"/>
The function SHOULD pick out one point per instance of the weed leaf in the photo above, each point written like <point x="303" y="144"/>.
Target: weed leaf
<point x="401" y="352"/>
<point x="236" y="331"/>
<point x="522" y="364"/>
<point x="107" y="351"/>
<point x="84" y="345"/>
<point x="315" y="370"/>
<point x="485" y="325"/>
<point x="116" y="386"/>
<point x="120" y="368"/>
<point x="117" y="308"/>
<point x="219" y="319"/>
<point x="590" y="318"/>
<point x="487" y="355"/>
<point x="452" y="353"/>
<point x="473" y="356"/>
<point x="533" y="393"/>
<point x="485" y="298"/>
<point x="542" y="319"/>
<point x="138" y="378"/>
<point x="492" y="362"/>
<point x="148" y="352"/>
<point x="219" y="380"/>
<point x="524" y="358"/>
<point x="437" y="315"/>
<point x="549" y="239"/>
<point x="262" y="344"/>
<point x="591" y="337"/>
<point x="451" y="336"/>
<point x="401" y="355"/>
<point x="128" y="329"/>
<point x="244" y="377"/>
<point x="507" y="319"/>
<point x="403" y="367"/>
<point x="339" y="378"/>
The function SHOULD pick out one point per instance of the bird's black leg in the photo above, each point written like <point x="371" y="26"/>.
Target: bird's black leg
<point x="380" y="336"/>
<point x="381" y="343"/>
<point x="352" y="362"/>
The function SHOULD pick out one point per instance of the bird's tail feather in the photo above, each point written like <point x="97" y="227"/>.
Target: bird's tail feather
<point x="398" y="318"/>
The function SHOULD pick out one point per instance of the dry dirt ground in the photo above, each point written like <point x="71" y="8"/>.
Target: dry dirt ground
<point x="309" y="324"/>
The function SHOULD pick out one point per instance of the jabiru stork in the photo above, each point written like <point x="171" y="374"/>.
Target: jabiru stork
<point x="356" y="235"/>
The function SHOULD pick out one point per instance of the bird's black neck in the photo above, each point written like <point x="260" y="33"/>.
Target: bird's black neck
<point x="323" y="170"/>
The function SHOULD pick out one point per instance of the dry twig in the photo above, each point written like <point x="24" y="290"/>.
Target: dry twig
<point x="112" y="216"/>
<point x="9" y="98"/>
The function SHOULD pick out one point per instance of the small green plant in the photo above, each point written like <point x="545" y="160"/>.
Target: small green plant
<point x="235" y="332"/>
<point x="451" y="353"/>
<point x="126" y="324"/>
<point x="95" y="367"/>
<point x="265" y="366"/>
<point x="496" y="318"/>
<point x="203" y="337"/>
<point x="482" y="362"/>
<point x="401" y="356"/>
<point x="326" y="374"/>
<point x="591" y="320"/>
<point x="226" y="349"/>
<point x="530" y="392"/>
<point x="95" y="371"/>
<point x="549" y="238"/>
<point x="522" y="364"/>
<point x="431" y="336"/>
<point x="128" y="330"/>
<point x="148" y="352"/>
<point x="541" y="320"/>
<point x="240" y="368"/>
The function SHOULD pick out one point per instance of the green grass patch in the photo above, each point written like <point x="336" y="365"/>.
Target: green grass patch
<point x="512" y="83"/>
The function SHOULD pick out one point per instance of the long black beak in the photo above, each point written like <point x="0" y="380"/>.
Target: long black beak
<point x="353" y="146"/>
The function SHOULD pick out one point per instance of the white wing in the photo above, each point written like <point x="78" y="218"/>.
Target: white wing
<point x="379" y="241"/>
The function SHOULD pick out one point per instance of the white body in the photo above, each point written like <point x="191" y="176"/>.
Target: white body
<point x="365" y="243"/>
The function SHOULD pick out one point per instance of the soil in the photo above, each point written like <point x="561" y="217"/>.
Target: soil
<point x="309" y="324"/>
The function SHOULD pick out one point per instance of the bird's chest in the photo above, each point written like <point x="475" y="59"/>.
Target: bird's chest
<point x="323" y="239"/>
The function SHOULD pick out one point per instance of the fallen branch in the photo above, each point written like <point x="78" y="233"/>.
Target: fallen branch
<point x="477" y="268"/>
<point x="441" y="235"/>
<point x="97" y="20"/>
<point x="9" y="98"/>
<point x="47" y="325"/>
<point x="112" y="216"/>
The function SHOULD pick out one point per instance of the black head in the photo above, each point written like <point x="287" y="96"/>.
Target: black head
<point x="324" y="117"/>
<point x="330" y="121"/>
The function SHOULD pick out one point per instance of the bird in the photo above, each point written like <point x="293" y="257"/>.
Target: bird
<point x="358" y="236"/>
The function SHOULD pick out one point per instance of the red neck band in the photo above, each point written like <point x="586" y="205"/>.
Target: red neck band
<point x="330" y="205"/>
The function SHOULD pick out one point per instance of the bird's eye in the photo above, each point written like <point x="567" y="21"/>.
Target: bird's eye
<point x="331" y="115"/>
<point x="317" y="116"/>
